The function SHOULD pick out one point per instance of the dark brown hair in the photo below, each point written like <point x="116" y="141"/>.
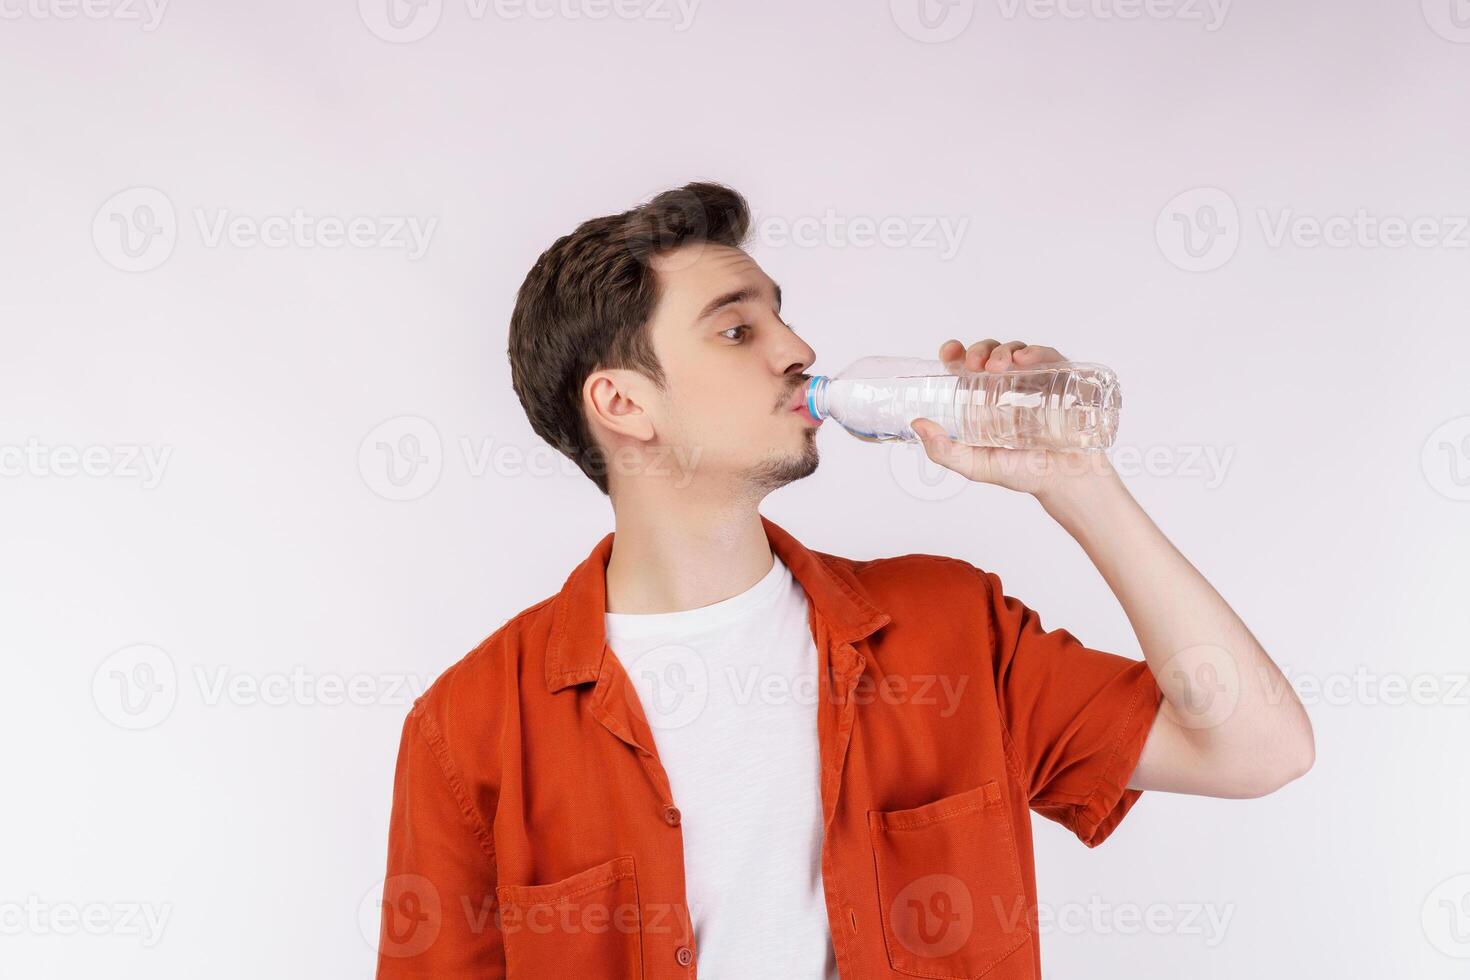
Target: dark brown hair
<point x="586" y="303"/>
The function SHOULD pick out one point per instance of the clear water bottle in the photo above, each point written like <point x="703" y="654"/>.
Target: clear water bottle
<point x="1065" y="406"/>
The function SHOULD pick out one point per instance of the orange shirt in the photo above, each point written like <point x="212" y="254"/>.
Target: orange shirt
<point x="533" y="834"/>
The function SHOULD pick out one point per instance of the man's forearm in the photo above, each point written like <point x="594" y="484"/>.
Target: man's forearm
<point x="1232" y="706"/>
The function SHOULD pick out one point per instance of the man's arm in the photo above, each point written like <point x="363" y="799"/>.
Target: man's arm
<point x="1230" y="724"/>
<point x="439" y="918"/>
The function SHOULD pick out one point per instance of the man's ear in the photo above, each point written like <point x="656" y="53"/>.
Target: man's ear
<point x="615" y="400"/>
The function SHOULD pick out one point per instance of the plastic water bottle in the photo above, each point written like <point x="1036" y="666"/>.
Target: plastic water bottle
<point x="1064" y="406"/>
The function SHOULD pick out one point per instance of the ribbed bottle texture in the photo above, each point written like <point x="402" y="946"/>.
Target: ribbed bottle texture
<point x="1064" y="406"/>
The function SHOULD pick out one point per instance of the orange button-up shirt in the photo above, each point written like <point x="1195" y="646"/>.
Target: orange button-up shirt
<point x="533" y="833"/>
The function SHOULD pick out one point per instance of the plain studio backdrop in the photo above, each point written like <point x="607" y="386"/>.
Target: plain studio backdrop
<point x="264" y="476"/>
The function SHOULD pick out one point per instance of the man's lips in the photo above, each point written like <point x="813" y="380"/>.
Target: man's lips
<point x="797" y="401"/>
<point x="797" y="405"/>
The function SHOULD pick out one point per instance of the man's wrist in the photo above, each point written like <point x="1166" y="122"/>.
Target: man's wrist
<point x="1082" y="491"/>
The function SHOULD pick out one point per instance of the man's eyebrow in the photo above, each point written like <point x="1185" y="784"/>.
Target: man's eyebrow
<point x="742" y="295"/>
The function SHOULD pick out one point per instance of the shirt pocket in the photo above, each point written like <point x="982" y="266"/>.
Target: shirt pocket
<point x="949" y="885"/>
<point x="586" y="925"/>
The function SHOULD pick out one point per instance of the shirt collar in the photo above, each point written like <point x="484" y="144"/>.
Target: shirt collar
<point x="579" y="638"/>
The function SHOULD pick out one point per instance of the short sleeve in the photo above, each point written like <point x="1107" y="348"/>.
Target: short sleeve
<point x="1076" y="718"/>
<point x="438" y="918"/>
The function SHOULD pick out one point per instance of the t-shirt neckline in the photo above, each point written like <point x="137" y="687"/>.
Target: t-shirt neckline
<point x="632" y="625"/>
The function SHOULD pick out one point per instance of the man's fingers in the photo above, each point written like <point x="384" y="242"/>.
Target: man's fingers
<point x="976" y="355"/>
<point x="991" y="354"/>
<point x="1000" y="357"/>
<point x="1036" y="354"/>
<point x="958" y="358"/>
<point x="951" y="350"/>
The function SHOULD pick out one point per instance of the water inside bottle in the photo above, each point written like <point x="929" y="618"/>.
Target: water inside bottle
<point x="1065" y="409"/>
<point x="1072" y="406"/>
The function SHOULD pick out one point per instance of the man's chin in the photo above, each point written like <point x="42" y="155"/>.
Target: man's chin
<point x="781" y="470"/>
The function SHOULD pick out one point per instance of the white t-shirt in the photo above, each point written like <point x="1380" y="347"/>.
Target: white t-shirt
<point x="730" y="692"/>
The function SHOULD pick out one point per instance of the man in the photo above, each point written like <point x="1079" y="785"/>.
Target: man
<point x="716" y="752"/>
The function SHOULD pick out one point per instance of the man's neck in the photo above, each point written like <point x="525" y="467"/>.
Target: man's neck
<point x="663" y="562"/>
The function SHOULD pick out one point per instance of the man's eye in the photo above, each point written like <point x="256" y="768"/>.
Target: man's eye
<point x="742" y="326"/>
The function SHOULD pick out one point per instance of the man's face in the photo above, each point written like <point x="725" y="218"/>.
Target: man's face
<point x="732" y="366"/>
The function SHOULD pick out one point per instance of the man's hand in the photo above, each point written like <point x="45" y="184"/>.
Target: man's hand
<point x="1034" y="471"/>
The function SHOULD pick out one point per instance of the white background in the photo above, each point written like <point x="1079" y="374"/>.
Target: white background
<point x="1076" y="146"/>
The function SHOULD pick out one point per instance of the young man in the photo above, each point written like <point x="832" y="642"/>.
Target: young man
<point x="716" y="752"/>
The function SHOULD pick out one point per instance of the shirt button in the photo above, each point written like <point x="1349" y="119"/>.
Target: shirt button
<point x="684" y="955"/>
<point x="671" y="815"/>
